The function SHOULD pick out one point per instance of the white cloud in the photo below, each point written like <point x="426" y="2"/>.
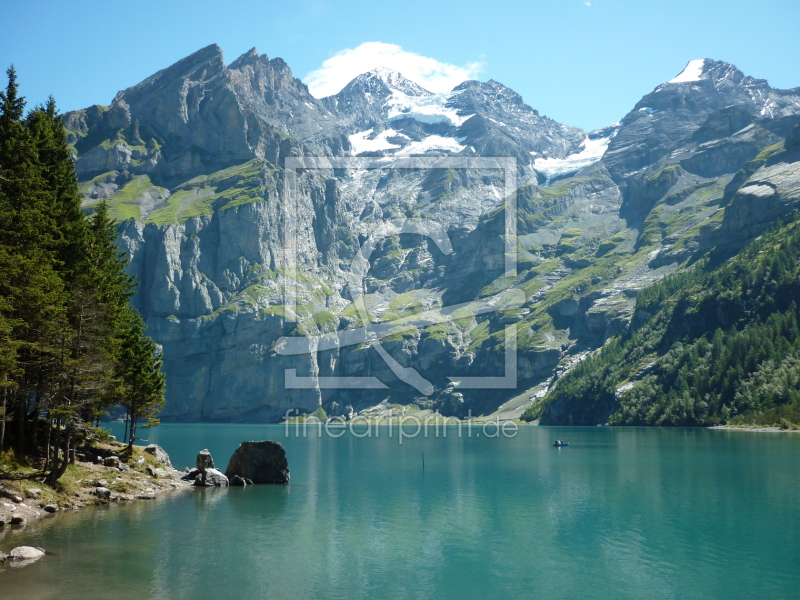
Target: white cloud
<point x="587" y="3"/>
<point x="344" y="66"/>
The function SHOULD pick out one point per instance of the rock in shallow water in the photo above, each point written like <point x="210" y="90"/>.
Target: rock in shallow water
<point x="262" y="462"/>
<point x="211" y="478"/>
<point x="26" y="553"/>
<point x="22" y="556"/>
<point x="190" y="475"/>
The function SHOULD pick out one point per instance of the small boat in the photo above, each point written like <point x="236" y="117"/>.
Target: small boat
<point x="559" y="443"/>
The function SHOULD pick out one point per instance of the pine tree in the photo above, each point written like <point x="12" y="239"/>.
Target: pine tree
<point x="31" y="287"/>
<point x="60" y="180"/>
<point x="144" y="382"/>
<point x="69" y="344"/>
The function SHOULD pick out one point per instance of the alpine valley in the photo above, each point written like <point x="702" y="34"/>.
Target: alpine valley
<point x="622" y="235"/>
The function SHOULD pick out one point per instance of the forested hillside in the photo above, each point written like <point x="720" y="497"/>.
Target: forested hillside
<point x="717" y="344"/>
<point x="70" y="347"/>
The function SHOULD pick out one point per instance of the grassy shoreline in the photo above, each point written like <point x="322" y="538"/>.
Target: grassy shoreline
<point x="86" y="483"/>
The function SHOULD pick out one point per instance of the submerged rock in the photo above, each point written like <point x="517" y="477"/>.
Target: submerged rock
<point x="261" y="462"/>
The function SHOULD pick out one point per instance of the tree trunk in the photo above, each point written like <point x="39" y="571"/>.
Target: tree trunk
<point x="22" y="410"/>
<point x="132" y="438"/>
<point x="125" y="435"/>
<point x="49" y="431"/>
<point x="60" y="468"/>
<point x="3" y="422"/>
<point x="34" y="424"/>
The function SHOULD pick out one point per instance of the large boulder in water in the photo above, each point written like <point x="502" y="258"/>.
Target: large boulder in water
<point x="262" y="462"/>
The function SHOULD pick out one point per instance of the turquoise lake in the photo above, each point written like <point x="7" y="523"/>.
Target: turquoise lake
<point x="620" y="513"/>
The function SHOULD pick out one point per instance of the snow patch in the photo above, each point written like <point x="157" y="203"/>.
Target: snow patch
<point x="360" y="143"/>
<point x="432" y="142"/>
<point x="758" y="190"/>
<point x="425" y="109"/>
<point x="593" y="151"/>
<point x="692" y="72"/>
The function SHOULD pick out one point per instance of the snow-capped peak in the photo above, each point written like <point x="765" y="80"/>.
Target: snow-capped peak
<point x="693" y="72"/>
<point x="394" y="80"/>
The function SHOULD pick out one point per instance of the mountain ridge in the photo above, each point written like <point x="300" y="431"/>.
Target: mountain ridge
<point x="204" y="222"/>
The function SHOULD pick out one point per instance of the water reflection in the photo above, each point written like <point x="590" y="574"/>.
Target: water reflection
<point x="620" y="513"/>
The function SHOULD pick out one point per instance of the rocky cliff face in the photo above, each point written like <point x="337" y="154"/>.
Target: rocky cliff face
<point x="192" y="161"/>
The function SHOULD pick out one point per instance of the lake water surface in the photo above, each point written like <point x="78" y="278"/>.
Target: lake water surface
<point x="620" y="513"/>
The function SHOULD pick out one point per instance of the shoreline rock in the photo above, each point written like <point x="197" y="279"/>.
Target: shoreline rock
<point x="21" y="556"/>
<point x="204" y="460"/>
<point x="28" y="553"/>
<point x="205" y="475"/>
<point x="160" y="454"/>
<point x="211" y="478"/>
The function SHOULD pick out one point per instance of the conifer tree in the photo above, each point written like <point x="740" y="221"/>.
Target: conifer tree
<point x="69" y="344"/>
<point x="31" y="287"/>
<point x="144" y="382"/>
<point x="58" y="174"/>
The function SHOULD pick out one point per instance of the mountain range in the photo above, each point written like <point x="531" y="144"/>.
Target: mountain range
<point x="192" y="162"/>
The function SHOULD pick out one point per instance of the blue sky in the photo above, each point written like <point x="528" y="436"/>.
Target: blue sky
<point x="583" y="63"/>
